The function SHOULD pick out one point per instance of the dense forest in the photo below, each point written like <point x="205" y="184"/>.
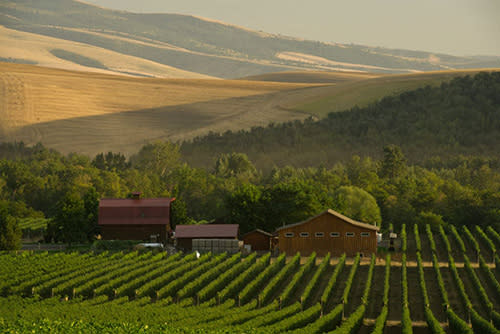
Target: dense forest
<point x="458" y="117"/>
<point x="38" y="182"/>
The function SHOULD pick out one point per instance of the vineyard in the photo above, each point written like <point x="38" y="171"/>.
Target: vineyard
<point x="442" y="280"/>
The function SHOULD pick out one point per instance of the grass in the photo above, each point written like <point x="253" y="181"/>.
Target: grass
<point x="364" y="92"/>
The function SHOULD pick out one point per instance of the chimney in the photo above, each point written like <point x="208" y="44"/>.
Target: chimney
<point x="136" y="195"/>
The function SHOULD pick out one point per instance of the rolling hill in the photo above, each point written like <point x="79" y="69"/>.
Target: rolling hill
<point x="24" y="47"/>
<point x="459" y="117"/>
<point x="209" y="47"/>
<point x="93" y="112"/>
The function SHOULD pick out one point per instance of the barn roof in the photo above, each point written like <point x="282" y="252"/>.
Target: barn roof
<point x="136" y="203"/>
<point x="207" y="231"/>
<point x="338" y="215"/>
<point x="137" y="211"/>
<point x="259" y="231"/>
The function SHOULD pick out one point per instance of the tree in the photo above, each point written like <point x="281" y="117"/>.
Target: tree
<point x="244" y="207"/>
<point x="357" y="204"/>
<point x="178" y="213"/>
<point x="158" y="158"/>
<point x="290" y="202"/>
<point x="234" y="164"/>
<point x="394" y="163"/>
<point x="76" y="218"/>
<point x="10" y="233"/>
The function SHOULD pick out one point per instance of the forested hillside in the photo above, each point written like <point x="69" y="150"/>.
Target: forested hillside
<point x="37" y="182"/>
<point x="459" y="117"/>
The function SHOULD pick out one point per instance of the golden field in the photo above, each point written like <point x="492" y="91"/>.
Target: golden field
<point x="94" y="112"/>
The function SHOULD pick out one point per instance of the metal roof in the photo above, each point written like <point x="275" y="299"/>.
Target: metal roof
<point x="132" y="202"/>
<point x="207" y="231"/>
<point x="338" y="215"/>
<point x="258" y="231"/>
<point x="144" y="211"/>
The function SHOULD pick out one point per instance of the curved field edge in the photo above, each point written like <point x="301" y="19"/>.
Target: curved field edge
<point x="361" y="93"/>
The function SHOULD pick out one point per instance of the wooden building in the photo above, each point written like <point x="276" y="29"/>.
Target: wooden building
<point x="145" y="219"/>
<point x="184" y="234"/>
<point x="259" y="240"/>
<point x="331" y="232"/>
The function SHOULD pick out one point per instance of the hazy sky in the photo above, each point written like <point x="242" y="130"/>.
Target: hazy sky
<point x="459" y="27"/>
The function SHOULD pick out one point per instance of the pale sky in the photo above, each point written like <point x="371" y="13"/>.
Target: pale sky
<point x="457" y="27"/>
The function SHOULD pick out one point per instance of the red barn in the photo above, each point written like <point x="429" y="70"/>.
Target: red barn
<point x="258" y="239"/>
<point x="135" y="219"/>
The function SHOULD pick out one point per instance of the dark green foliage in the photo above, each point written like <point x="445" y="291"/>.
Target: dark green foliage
<point x="358" y="204"/>
<point x="298" y="320"/>
<point x="10" y="232"/>
<point x="311" y="286"/>
<point x="333" y="280"/>
<point x="352" y="324"/>
<point x="110" y="162"/>
<point x="431" y="238"/>
<point x="251" y="289"/>
<point x="405" y="317"/>
<point x="403" y="238"/>
<point x="457" y="325"/>
<point x="418" y="243"/>
<point x="380" y="322"/>
<point x="485" y="239"/>
<point x="276" y="281"/>
<point x="287" y="293"/>
<point x="350" y="279"/>
<point x="394" y="163"/>
<point x="480" y="325"/>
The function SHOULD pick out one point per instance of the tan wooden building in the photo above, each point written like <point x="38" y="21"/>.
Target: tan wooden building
<point x="331" y="232"/>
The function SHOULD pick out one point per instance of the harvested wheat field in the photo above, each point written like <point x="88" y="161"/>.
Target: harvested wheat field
<point x="33" y="48"/>
<point x="92" y="112"/>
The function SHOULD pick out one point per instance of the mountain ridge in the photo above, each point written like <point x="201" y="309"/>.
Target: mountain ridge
<point x="210" y="47"/>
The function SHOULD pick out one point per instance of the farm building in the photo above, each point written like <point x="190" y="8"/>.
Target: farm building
<point x="185" y="234"/>
<point x="331" y="232"/>
<point x="145" y="219"/>
<point x="258" y="239"/>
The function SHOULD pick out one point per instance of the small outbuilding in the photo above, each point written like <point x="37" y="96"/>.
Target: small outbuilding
<point x="259" y="240"/>
<point x="185" y="234"/>
<point x="146" y="219"/>
<point x="331" y="232"/>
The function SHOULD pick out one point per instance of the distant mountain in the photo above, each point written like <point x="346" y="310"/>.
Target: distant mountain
<point x="210" y="48"/>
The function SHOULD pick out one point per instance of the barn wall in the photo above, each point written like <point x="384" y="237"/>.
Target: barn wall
<point x="327" y="223"/>
<point x="185" y="244"/>
<point x="258" y="241"/>
<point x="133" y="232"/>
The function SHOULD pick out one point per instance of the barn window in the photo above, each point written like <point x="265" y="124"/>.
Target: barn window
<point x="349" y="234"/>
<point x="289" y="234"/>
<point x="365" y="234"/>
<point x="319" y="234"/>
<point x="334" y="234"/>
<point x="304" y="234"/>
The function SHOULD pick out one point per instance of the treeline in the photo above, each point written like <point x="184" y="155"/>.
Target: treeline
<point x="38" y="182"/>
<point x="459" y="117"/>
